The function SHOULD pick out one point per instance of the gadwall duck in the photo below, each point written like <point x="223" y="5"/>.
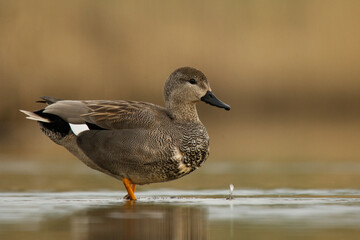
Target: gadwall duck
<point x="136" y="142"/>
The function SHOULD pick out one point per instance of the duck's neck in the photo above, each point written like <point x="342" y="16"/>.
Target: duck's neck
<point x="183" y="112"/>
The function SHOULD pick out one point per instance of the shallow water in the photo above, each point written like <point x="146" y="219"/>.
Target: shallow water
<point x="174" y="214"/>
<point x="40" y="199"/>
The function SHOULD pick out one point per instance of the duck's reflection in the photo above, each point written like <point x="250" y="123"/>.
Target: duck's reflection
<point x="136" y="221"/>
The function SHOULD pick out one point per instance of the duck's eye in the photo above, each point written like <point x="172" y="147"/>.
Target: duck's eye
<point x="192" y="81"/>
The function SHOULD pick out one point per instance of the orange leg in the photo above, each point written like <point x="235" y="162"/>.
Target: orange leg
<point x="130" y="189"/>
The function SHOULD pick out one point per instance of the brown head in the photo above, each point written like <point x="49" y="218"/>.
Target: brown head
<point x="184" y="88"/>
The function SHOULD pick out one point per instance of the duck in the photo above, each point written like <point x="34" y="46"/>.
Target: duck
<point x="135" y="142"/>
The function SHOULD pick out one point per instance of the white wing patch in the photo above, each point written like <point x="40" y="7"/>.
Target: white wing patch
<point x="78" y="128"/>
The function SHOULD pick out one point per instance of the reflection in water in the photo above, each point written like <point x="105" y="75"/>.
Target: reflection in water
<point x="136" y="221"/>
<point x="172" y="214"/>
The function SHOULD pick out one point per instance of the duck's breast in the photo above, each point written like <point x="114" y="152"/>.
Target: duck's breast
<point x="194" y="148"/>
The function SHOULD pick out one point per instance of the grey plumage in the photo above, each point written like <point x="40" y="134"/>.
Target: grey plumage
<point x="139" y="141"/>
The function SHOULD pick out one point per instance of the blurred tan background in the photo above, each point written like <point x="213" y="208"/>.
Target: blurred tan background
<point x="289" y="69"/>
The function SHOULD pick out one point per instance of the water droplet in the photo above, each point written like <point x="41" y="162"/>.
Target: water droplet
<point x="230" y="192"/>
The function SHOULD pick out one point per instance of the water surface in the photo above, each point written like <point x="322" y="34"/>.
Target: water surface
<point x="60" y="199"/>
<point x="174" y="214"/>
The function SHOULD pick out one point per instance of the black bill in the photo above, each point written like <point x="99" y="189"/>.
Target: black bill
<point x="212" y="100"/>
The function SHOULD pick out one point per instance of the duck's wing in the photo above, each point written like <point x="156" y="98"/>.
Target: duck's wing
<point x="123" y="114"/>
<point x="105" y="114"/>
<point x="124" y="152"/>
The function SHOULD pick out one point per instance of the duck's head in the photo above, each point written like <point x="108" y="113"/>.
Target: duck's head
<point x="188" y="85"/>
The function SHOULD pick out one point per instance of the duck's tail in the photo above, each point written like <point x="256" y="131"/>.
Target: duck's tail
<point x="38" y="115"/>
<point x="48" y="100"/>
<point x="53" y="126"/>
<point x="34" y="116"/>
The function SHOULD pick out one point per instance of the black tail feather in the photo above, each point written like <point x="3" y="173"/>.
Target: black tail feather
<point x="48" y="100"/>
<point x="56" y="124"/>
